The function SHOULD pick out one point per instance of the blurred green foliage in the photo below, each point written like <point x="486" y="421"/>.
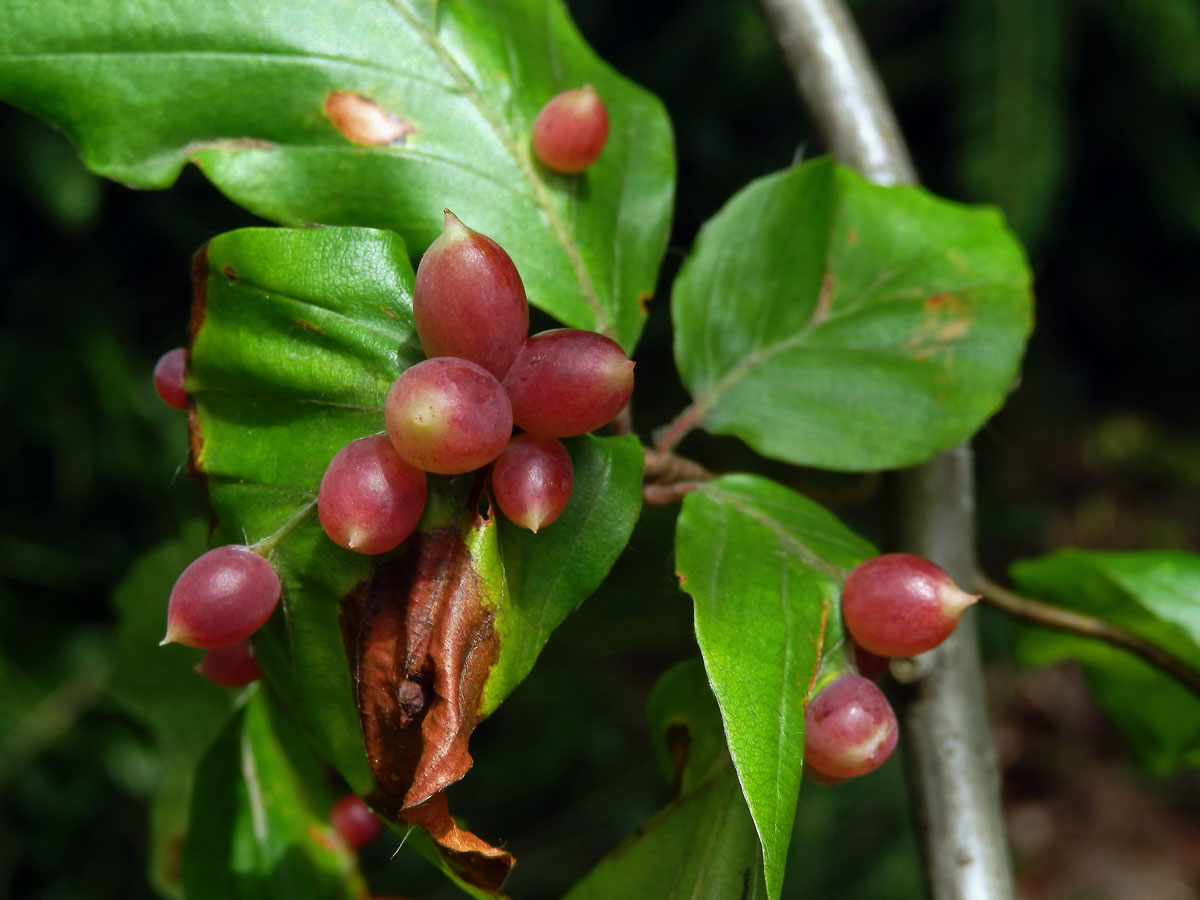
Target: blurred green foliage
<point x="1082" y="121"/>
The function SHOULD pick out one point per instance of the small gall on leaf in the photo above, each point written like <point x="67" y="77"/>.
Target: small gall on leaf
<point x="362" y="121"/>
<point x="223" y="597"/>
<point x="898" y="605"/>
<point x="849" y="728"/>
<point x="571" y="130"/>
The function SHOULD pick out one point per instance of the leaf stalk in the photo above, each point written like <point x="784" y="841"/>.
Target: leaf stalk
<point x="1042" y="613"/>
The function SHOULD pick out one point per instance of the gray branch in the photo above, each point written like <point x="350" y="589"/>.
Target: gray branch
<point x="951" y="761"/>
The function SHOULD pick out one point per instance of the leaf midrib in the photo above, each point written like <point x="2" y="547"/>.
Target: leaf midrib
<point x="805" y="553"/>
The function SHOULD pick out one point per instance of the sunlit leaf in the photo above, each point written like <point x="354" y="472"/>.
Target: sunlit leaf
<point x="830" y="322"/>
<point x="377" y="113"/>
<point x="765" y="567"/>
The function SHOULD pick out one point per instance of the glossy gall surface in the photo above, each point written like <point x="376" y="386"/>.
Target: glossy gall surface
<point x="370" y="499"/>
<point x="468" y="299"/>
<point x="570" y="131"/>
<point x="566" y="382"/>
<point x="849" y="728"/>
<point x="532" y="481"/>
<point x="223" y="597"/>
<point x="448" y="416"/>
<point x="899" y="605"/>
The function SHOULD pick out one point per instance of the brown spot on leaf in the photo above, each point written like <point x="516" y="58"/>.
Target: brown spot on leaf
<point x="945" y="303"/>
<point x="947" y="319"/>
<point x="308" y="326"/>
<point x="851" y="237"/>
<point x="199" y="293"/>
<point x="391" y="314"/>
<point x="420" y="637"/>
<point x="643" y="301"/>
<point x="196" y="318"/>
<point x="229" y="272"/>
<point x="952" y="331"/>
<point x="322" y="837"/>
<point x="362" y="121"/>
<point x="173" y="860"/>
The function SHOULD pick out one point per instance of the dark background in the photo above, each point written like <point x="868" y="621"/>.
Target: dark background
<point x="1080" y="120"/>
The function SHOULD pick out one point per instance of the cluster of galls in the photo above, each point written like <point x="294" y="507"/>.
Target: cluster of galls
<point x="455" y="412"/>
<point x="451" y="414"/>
<point x="895" y="605"/>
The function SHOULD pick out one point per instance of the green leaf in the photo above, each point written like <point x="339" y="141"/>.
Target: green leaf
<point x="550" y="572"/>
<point x="830" y="322"/>
<point x="297" y="336"/>
<point x="259" y="823"/>
<point x="765" y="567"/>
<point x="1154" y="595"/>
<point x="159" y="686"/>
<point x="702" y="845"/>
<point x="250" y="95"/>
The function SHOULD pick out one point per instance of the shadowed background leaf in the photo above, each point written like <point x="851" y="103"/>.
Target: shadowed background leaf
<point x="1154" y="595"/>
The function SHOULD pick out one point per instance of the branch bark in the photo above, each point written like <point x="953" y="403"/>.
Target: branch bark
<point x="951" y="761"/>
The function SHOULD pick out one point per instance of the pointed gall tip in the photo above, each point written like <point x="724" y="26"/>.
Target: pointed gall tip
<point x="535" y="519"/>
<point x="955" y="599"/>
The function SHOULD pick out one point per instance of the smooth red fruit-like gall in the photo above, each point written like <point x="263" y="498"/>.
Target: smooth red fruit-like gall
<point x="532" y="480"/>
<point x="370" y="500"/>
<point x="232" y="666"/>
<point x="571" y="130"/>
<point x="849" y="728"/>
<point x="468" y="299"/>
<point x="900" y="605"/>
<point x="168" y="377"/>
<point x="870" y="665"/>
<point x="566" y="382"/>
<point x="223" y="597"/>
<point x="357" y="825"/>
<point x="448" y="416"/>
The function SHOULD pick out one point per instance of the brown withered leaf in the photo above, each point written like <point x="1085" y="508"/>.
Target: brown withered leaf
<point x="420" y="637"/>
<point x="472" y="859"/>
